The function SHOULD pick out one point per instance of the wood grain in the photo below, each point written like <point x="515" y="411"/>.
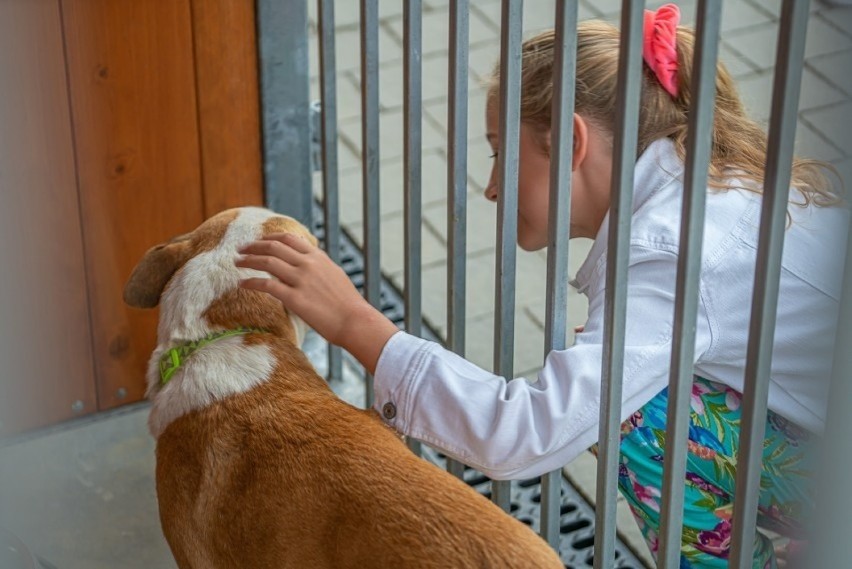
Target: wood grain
<point x="133" y="101"/>
<point x="228" y="103"/>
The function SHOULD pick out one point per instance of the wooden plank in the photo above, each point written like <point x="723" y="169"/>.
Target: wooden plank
<point x="133" y="103"/>
<point x="228" y="103"/>
<point x="47" y="373"/>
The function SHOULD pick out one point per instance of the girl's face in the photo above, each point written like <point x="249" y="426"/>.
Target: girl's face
<point x="589" y="194"/>
<point x="533" y="182"/>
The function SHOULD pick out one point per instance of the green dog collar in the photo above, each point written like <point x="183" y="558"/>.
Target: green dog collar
<point x="171" y="361"/>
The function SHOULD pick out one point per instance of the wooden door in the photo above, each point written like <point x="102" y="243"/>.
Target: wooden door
<point x="164" y="99"/>
<point x="226" y="72"/>
<point x="132" y="84"/>
<point x="122" y="123"/>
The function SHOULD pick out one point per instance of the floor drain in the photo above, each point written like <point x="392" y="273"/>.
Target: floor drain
<point x="577" y="527"/>
<point x="577" y="517"/>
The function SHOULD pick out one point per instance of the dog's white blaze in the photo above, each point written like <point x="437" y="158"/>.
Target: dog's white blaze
<point x="206" y="277"/>
<point x="226" y="367"/>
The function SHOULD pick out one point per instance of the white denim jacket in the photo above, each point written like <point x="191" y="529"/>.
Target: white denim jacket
<point x="517" y="429"/>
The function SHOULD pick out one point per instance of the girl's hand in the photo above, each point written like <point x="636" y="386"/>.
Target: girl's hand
<point x="311" y="286"/>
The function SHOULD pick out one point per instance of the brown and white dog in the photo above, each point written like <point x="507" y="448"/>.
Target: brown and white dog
<point x="259" y="463"/>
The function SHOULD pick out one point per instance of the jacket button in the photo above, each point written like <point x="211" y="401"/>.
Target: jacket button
<point x="388" y="411"/>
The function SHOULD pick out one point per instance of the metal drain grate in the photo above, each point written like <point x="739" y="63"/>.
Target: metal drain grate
<point x="577" y="517"/>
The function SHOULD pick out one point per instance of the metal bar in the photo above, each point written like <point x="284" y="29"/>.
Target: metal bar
<point x="331" y="194"/>
<point x="618" y="253"/>
<point x="699" y="136"/>
<point x="561" y="155"/>
<point x="370" y="157"/>
<point x="779" y="156"/>
<point x="285" y="98"/>
<point x="551" y="503"/>
<point x="412" y="17"/>
<point x="457" y="184"/>
<point x="507" y="203"/>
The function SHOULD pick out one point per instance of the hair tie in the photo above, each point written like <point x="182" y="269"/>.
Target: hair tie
<point x="659" y="45"/>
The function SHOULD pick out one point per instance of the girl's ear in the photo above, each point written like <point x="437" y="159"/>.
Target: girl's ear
<point x="154" y="271"/>
<point x="581" y="141"/>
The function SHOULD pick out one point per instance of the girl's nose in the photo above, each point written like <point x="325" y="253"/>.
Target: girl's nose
<point x="491" y="192"/>
<point x="491" y="188"/>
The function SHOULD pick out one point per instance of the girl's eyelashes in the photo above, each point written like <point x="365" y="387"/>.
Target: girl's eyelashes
<point x="493" y="155"/>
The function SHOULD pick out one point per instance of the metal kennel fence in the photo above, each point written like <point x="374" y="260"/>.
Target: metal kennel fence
<point x="575" y="515"/>
<point x="283" y="46"/>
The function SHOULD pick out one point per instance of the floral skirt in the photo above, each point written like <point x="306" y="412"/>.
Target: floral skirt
<point x="711" y="472"/>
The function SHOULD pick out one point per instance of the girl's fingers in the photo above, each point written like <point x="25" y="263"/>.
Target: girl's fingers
<point x="271" y="286"/>
<point x="268" y="264"/>
<point x="275" y="249"/>
<point x="291" y="240"/>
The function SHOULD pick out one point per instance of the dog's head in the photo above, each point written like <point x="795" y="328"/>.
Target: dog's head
<point x="193" y="279"/>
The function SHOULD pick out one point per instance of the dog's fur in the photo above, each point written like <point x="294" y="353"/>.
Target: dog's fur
<point x="260" y="465"/>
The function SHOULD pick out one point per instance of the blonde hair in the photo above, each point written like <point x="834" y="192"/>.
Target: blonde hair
<point x="738" y="145"/>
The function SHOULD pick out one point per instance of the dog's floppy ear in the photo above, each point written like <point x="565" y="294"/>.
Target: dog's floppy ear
<point x="157" y="266"/>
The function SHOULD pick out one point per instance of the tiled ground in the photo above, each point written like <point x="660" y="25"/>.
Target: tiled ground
<point x="749" y="29"/>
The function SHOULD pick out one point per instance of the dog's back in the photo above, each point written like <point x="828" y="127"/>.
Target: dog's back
<point x="290" y="476"/>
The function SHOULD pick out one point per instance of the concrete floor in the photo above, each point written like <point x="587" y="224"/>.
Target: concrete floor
<point x="82" y="496"/>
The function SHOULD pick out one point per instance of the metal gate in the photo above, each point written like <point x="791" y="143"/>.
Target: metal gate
<point x="284" y="48"/>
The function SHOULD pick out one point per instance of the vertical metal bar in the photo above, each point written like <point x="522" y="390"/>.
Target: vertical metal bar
<point x="779" y="156"/>
<point x="457" y="184"/>
<point x="699" y="136"/>
<point x="285" y="97"/>
<point x="331" y="195"/>
<point x="412" y="125"/>
<point x="618" y="253"/>
<point x="370" y="157"/>
<point x="507" y="203"/>
<point x="561" y="155"/>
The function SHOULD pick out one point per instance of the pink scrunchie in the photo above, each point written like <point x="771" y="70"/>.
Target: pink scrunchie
<point x="659" y="45"/>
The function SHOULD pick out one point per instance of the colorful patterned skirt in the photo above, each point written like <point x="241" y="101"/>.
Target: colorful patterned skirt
<point x="785" y="494"/>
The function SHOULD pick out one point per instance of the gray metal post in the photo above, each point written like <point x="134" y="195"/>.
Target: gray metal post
<point x="618" y="253"/>
<point x="282" y="35"/>
<point x="331" y="194"/>
<point x="413" y="126"/>
<point x="457" y="185"/>
<point x="698" y="140"/>
<point x="770" y="246"/>
<point x="561" y="156"/>
<point x="507" y="204"/>
<point x="370" y="158"/>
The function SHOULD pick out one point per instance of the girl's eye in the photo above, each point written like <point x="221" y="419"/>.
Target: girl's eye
<point x="493" y="156"/>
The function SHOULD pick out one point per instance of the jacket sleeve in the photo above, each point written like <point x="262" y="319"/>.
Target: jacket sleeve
<point x="521" y="429"/>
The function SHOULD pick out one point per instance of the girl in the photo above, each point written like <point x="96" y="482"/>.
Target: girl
<point x="515" y="429"/>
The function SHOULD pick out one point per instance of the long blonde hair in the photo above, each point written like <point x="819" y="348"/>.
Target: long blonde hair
<point x="739" y="143"/>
